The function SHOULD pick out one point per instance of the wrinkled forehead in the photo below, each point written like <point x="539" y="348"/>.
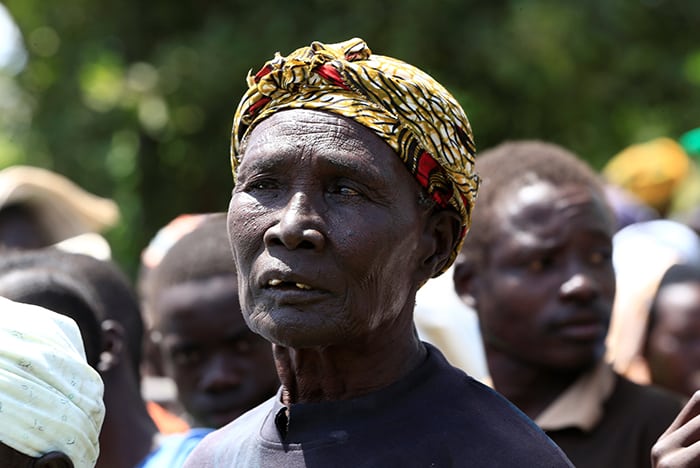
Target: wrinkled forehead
<point x="307" y="127"/>
<point x="293" y="135"/>
<point x="287" y="142"/>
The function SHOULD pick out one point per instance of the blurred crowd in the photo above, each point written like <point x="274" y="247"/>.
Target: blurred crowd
<point x="158" y="362"/>
<point x="173" y="351"/>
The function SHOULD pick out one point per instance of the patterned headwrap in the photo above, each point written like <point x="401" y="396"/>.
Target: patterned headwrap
<point x="419" y="119"/>
<point x="50" y="398"/>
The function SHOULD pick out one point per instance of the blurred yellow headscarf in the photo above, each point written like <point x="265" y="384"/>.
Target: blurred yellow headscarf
<point x="652" y="171"/>
<point x="407" y="108"/>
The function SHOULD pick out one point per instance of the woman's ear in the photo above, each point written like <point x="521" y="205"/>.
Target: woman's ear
<point x="53" y="460"/>
<point x="441" y="236"/>
<point x="112" y="345"/>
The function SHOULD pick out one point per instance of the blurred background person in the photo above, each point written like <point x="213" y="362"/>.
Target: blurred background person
<point x="220" y="368"/>
<point x="158" y="389"/>
<point x="653" y="172"/>
<point x="672" y="345"/>
<point x="628" y="209"/>
<point x="642" y="252"/>
<point x="68" y="284"/>
<point x="537" y="267"/>
<point x="39" y="208"/>
<point x="52" y="407"/>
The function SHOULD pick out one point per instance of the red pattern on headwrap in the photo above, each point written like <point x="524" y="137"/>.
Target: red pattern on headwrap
<point x="262" y="72"/>
<point x="252" y="110"/>
<point x="332" y="75"/>
<point x="426" y="165"/>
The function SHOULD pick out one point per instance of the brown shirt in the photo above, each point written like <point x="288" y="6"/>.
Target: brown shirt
<point x="604" y="420"/>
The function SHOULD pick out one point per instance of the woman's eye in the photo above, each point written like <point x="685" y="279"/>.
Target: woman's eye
<point x="347" y="191"/>
<point x="260" y="187"/>
<point x="262" y="184"/>
<point x="345" y="188"/>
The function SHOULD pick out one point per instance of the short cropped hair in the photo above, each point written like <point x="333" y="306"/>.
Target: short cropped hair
<point x="60" y="293"/>
<point x="199" y="255"/>
<point x="111" y="291"/>
<point x="516" y="164"/>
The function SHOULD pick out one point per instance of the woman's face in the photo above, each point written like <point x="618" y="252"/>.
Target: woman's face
<point x="326" y="231"/>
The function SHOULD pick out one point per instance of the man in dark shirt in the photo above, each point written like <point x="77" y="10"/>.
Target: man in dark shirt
<point x="354" y="185"/>
<point x="537" y="267"/>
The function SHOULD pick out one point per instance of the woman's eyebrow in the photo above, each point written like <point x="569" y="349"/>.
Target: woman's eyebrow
<point x="276" y="160"/>
<point x="354" y="166"/>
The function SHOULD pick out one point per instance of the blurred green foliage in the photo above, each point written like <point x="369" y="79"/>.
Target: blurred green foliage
<point x="134" y="100"/>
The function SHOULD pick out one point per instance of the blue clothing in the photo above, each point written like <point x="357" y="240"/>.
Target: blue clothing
<point x="436" y="416"/>
<point x="174" y="449"/>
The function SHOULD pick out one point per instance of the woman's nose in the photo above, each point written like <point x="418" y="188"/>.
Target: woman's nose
<point x="299" y="225"/>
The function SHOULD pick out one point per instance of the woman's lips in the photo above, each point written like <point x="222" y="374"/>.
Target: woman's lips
<point x="274" y="282"/>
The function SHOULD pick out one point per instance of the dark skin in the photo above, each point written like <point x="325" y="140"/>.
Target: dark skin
<point x="126" y="423"/>
<point x="678" y="446"/>
<point x="12" y="458"/>
<point x="221" y="368"/>
<point x="672" y="349"/>
<point x="545" y="290"/>
<point x="334" y="248"/>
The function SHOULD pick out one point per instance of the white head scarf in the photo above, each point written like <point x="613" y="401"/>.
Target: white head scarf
<point x="50" y="398"/>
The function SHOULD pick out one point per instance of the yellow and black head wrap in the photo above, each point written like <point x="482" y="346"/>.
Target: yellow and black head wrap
<point x="406" y="107"/>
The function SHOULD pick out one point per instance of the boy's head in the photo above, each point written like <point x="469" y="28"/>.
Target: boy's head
<point x="221" y="368"/>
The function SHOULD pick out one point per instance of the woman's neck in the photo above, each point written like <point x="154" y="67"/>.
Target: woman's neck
<point x="344" y="372"/>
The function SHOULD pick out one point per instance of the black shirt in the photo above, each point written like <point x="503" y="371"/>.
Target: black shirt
<point x="436" y="416"/>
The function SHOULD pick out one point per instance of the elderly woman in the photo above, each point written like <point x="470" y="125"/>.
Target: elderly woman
<point x="354" y="185"/>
